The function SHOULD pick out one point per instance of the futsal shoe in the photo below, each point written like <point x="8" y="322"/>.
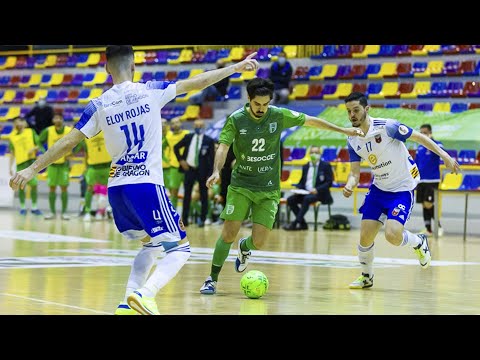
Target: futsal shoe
<point x="364" y="281"/>
<point x="141" y="304"/>
<point x="423" y="252"/>
<point x="241" y="262"/>
<point x="124" y="309"/>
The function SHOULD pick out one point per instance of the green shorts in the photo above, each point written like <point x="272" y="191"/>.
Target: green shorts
<point x="23" y="166"/>
<point x="172" y="177"/>
<point x="264" y="205"/>
<point x="58" y="175"/>
<point x="97" y="174"/>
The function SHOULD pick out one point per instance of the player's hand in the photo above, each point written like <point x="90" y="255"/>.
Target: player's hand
<point x="347" y="192"/>
<point x="248" y="64"/>
<point x="20" y="179"/>
<point x="212" y="180"/>
<point x="354" y="132"/>
<point x="452" y="164"/>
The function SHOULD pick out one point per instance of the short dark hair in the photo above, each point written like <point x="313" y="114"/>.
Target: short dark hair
<point x="119" y="53"/>
<point x="426" y="126"/>
<point x="260" y="87"/>
<point x="357" y="96"/>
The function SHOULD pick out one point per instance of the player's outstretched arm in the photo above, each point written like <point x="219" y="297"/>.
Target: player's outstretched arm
<point x="59" y="149"/>
<point x="203" y="80"/>
<point x="220" y="157"/>
<point x="450" y="163"/>
<point x="353" y="179"/>
<point x="324" y="124"/>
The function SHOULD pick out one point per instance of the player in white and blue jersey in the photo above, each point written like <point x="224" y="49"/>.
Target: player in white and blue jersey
<point x="395" y="175"/>
<point x="429" y="166"/>
<point x="129" y="116"/>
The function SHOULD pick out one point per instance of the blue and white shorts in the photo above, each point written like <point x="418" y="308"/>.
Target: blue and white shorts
<point x="393" y="205"/>
<point x="141" y="210"/>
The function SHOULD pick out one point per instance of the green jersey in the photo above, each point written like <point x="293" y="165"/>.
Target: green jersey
<point x="256" y="144"/>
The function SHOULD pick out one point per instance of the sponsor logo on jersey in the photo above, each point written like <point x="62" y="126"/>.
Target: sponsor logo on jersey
<point x="383" y="164"/>
<point x="414" y="172"/>
<point x="395" y="211"/>
<point x="264" y="169"/>
<point x="359" y="148"/>
<point x="378" y="139"/>
<point x="294" y="113"/>
<point x="134" y="98"/>
<point x="130" y="170"/>
<point x="113" y="103"/>
<point x="270" y="183"/>
<point x="245" y="167"/>
<point x="261" y="158"/>
<point x="157" y="229"/>
<point x="402" y="129"/>
<point x="373" y="159"/>
<point x="136" y="158"/>
<point x="243" y="132"/>
<point x="273" y="127"/>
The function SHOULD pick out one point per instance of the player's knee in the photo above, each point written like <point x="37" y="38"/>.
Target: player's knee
<point x="427" y="205"/>
<point x="393" y="237"/>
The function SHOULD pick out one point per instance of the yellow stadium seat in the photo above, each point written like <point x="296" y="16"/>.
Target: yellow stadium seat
<point x="51" y="60"/>
<point x="139" y="57"/>
<point x="433" y="67"/>
<point x="191" y="112"/>
<point x="387" y="69"/>
<point x="186" y="98"/>
<point x="388" y="89"/>
<point x="8" y="96"/>
<point x="369" y="50"/>
<point x="98" y="79"/>
<point x="342" y="106"/>
<point x="428" y="48"/>
<point x="9" y="63"/>
<point x="299" y="90"/>
<point x="421" y="87"/>
<point x="95" y="93"/>
<point x="194" y="72"/>
<point x="13" y="112"/>
<point x="185" y="57"/>
<point x="441" y="107"/>
<point x="237" y="54"/>
<point x="328" y="70"/>
<point x="451" y="182"/>
<point x="35" y="80"/>
<point x="93" y="59"/>
<point x="137" y="76"/>
<point x="248" y="75"/>
<point x="294" y="178"/>
<point x="291" y="51"/>
<point x="55" y="80"/>
<point x="343" y="90"/>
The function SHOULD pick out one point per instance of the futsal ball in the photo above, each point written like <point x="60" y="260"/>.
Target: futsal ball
<point x="254" y="284"/>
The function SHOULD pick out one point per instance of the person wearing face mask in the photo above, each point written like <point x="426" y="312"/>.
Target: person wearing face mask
<point x="317" y="178"/>
<point x="281" y="74"/>
<point x="196" y="162"/>
<point x="41" y="116"/>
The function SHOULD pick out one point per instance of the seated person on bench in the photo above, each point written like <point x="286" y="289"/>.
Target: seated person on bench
<point x="317" y="178"/>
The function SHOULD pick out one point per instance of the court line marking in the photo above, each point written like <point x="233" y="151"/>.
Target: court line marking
<point x="55" y="303"/>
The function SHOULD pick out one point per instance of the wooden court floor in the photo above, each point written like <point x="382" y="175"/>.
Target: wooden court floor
<point x="70" y="267"/>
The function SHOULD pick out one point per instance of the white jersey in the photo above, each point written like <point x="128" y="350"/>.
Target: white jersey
<point x="383" y="148"/>
<point x="129" y="115"/>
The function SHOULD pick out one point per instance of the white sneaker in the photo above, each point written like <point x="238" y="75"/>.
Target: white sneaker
<point x="241" y="262"/>
<point x="65" y="217"/>
<point x="209" y="287"/>
<point x="98" y="216"/>
<point x="49" y="216"/>
<point x="440" y="231"/>
<point x="208" y="222"/>
<point x="423" y="252"/>
<point x="87" y="217"/>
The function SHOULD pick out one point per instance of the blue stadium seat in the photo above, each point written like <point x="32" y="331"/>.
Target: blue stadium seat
<point x="459" y="107"/>
<point x="470" y="182"/>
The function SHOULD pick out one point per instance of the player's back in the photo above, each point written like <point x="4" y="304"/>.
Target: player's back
<point x="129" y="115"/>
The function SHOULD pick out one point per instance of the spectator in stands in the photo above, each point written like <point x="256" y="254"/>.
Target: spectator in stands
<point x="41" y="116"/>
<point x="281" y="74"/>
<point x="196" y="162"/>
<point x="429" y="166"/>
<point x="213" y="91"/>
<point x="24" y="145"/>
<point x="317" y="178"/>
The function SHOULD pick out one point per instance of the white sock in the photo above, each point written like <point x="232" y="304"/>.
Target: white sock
<point x="410" y="239"/>
<point x="366" y="255"/>
<point x="166" y="269"/>
<point x="141" y="267"/>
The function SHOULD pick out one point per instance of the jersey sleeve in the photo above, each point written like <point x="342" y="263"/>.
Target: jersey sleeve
<point x="228" y="132"/>
<point x="353" y="155"/>
<point x="292" y="118"/>
<point x="88" y="123"/>
<point x="398" y="131"/>
<point x="165" y="91"/>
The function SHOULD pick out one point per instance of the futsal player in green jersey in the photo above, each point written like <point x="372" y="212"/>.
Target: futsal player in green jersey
<point x="254" y="131"/>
